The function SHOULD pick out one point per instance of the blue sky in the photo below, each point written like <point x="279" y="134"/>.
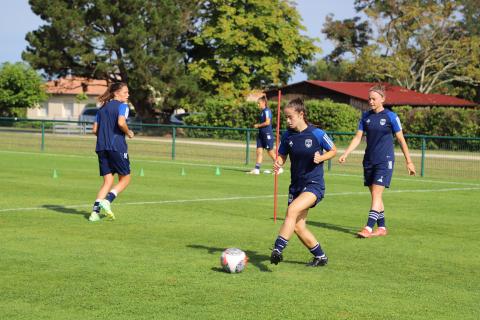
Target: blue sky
<point x="18" y="19"/>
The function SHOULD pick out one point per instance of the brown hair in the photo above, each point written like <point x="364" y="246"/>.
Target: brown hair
<point x="262" y="98"/>
<point x="298" y="105"/>
<point x="110" y="92"/>
<point x="380" y="89"/>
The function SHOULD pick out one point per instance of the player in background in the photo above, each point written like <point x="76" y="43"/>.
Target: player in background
<point x="265" y="136"/>
<point x="305" y="144"/>
<point x="379" y="125"/>
<point x="111" y="127"/>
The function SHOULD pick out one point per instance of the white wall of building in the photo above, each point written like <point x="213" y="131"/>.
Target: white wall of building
<point x="60" y="107"/>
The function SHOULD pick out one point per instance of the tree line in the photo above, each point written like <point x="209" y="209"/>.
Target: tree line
<point x="175" y="54"/>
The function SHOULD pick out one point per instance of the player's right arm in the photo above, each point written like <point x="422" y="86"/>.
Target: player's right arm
<point x="352" y="146"/>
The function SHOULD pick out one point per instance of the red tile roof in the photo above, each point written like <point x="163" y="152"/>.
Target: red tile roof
<point x="76" y="85"/>
<point x="396" y="95"/>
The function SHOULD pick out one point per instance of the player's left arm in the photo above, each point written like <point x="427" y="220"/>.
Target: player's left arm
<point x="397" y="129"/>
<point x="326" y="144"/>
<point x="95" y="126"/>
<point x="122" y="120"/>
<point x="406" y="152"/>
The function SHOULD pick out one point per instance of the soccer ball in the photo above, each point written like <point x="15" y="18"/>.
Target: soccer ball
<point x="233" y="260"/>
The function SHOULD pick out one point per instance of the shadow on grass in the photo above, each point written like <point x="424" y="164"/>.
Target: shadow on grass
<point x="259" y="260"/>
<point x="334" y="227"/>
<point x="66" y="210"/>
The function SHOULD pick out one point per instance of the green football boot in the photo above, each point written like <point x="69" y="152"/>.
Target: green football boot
<point x="94" y="217"/>
<point x="105" y="205"/>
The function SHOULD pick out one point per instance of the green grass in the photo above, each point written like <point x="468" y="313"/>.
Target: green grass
<point x="160" y="259"/>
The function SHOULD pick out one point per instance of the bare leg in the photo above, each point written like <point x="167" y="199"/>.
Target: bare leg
<point x="123" y="182"/>
<point x="376" y="192"/>
<point x="307" y="238"/>
<point x="259" y="153"/>
<point x="106" y="186"/>
<point x="295" y="210"/>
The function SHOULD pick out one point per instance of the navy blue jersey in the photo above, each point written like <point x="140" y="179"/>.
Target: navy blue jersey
<point x="379" y="128"/>
<point x="109" y="135"/>
<point x="301" y="147"/>
<point x="266" y="114"/>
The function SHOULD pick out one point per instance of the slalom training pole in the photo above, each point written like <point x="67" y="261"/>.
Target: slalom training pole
<point x="275" y="179"/>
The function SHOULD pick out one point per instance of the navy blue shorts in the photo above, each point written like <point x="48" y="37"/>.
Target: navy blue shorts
<point x="265" y="141"/>
<point x="315" y="188"/>
<point x="113" y="162"/>
<point x="379" y="174"/>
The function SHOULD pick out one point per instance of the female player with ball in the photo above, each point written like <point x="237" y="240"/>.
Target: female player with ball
<point x="305" y="144"/>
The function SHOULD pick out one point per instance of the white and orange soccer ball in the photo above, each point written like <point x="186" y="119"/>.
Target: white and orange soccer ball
<point x="233" y="260"/>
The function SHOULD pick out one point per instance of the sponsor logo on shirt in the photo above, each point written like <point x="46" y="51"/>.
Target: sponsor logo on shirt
<point x="290" y="143"/>
<point x="382" y="122"/>
<point x="308" y="143"/>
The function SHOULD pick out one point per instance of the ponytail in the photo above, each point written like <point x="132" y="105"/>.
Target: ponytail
<point x="110" y="92"/>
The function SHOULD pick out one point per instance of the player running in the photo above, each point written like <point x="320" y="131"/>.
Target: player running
<point x="305" y="144"/>
<point x="265" y="135"/>
<point x="379" y="125"/>
<point x="110" y="127"/>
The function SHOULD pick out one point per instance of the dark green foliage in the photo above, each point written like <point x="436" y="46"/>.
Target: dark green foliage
<point x="440" y="122"/>
<point x="20" y="88"/>
<point x="129" y="40"/>
<point x="325" y="114"/>
<point x="239" y="45"/>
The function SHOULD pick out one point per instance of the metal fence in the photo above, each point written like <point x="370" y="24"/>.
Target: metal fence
<point x="439" y="157"/>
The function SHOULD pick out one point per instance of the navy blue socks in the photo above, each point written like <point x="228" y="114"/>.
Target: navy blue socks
<point x="280" y="244"/>
<point x="372" y="219"/>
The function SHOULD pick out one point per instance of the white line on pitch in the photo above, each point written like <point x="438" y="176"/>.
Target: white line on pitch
<point x="233" y="199"/>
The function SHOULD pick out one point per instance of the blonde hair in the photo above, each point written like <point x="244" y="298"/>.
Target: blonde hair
<point x="380" y="89"/>
<point x="109" y="94"/>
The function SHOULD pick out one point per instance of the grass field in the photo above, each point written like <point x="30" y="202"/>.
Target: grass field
<point x="160" y="258"/>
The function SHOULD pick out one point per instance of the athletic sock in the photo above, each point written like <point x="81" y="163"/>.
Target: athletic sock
<point x="317" y="251"/>
<point x="96" y="206"/>
<point x="280" y="243"/>
<point x="111" y="196"/>
<point x="257" y="166"/>
<point x="372" y="219"/>
<point x="381" y="219"/>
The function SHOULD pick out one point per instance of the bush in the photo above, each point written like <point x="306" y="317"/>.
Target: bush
<point x="325" y="114"/>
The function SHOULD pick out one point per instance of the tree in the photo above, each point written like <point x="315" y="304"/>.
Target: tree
<point x="20" y="88"/>
<point x="326" y="70"/>
<point x="420" y="45"/>
<point x="128" y="40"/>
<point x="349" y="35"/>
<point x="240" y="45"/>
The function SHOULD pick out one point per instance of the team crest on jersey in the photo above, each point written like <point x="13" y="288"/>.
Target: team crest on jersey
<point x="308" y="143"/>
<point x="290" y="143"/>
<point x="382" y="122"/>
<point x="368" y="121"/>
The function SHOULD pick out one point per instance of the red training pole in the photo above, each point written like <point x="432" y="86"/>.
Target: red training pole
<point x="275" y="183"/>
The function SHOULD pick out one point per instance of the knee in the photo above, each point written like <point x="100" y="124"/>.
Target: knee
<point x="299" y="229"/>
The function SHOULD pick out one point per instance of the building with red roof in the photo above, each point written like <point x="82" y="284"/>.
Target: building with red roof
<point x="64" y="103"/>
<point x="356" y="94"/>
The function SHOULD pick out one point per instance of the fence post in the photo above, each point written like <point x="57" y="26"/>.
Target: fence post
<point x="42" y="147"/>
<point x="174" y="133"/>
<point x="424" y="147"/>
<point x="247" y="149"/>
